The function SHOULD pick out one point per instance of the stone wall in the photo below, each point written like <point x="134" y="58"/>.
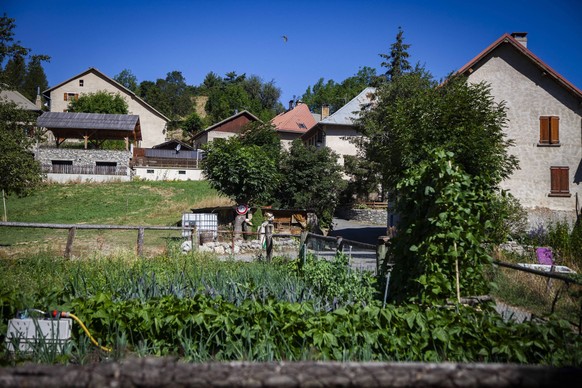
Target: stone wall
<point x="365" y="216"/>
<point x="82" y="157"/>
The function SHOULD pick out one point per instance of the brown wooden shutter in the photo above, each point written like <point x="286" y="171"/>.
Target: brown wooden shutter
<point x="65" y="97"/>
<point x="560" y="182"/>
<point x="76" y="97"/>
<point x="544" y="130"/>
<point x="554" y="130"/>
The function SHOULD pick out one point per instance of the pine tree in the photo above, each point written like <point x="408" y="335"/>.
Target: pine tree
<point x="396" y="62"/>
<point x="35" y="77"/>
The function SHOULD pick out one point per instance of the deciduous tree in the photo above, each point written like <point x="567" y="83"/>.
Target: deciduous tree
<point x="99" y="102"/>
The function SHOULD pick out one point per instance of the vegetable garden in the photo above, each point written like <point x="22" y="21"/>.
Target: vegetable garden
<point x="202" y="309"/>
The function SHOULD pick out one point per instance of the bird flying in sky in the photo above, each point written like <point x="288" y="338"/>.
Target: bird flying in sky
<point x="285" y="39"/>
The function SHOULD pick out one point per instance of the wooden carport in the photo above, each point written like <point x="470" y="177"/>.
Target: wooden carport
<point x="91" y="127"/>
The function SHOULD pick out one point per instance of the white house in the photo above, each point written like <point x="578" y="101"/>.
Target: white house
<point x="153" y="123"/>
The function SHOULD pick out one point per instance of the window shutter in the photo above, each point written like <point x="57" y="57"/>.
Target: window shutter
<point x="554" y="130"/>
<point x="560" y="183"/>
<point x="65" y="97"/>
<point x="564" y="181"/>
<point x="76" y="97"/>
<point x="544" y="130"/>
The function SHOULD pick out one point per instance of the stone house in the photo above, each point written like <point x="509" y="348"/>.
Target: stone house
<point x="337" y="131"/>
<point x="153" y="123"/>
<point x="544" y="121"/>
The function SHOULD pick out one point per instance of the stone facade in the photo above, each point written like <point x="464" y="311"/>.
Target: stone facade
<point x="530" y="91"/>
<point x="82" y="157"/>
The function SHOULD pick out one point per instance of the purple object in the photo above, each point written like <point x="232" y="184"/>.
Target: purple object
<point x="545" y="256"/>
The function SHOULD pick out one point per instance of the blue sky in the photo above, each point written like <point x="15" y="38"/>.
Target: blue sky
<point x="329" y="39"/>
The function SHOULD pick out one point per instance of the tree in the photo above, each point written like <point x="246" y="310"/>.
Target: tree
<point x="396" y="62"/>
<point x="442" y="154"/>
<point x="311" y="179"/>
<point x="127" y="79"/>
<point x="245" y="173"/>
<point x="35" y="78"/>
<point x="14" y="72"/>
<point x="99" y="102"/>
<point x="414" y="115"/>
<point x="263" y="135"/>
<point x="336" y="95"/>
<point x="20" y="171"/>
<point x="191" y="126"/>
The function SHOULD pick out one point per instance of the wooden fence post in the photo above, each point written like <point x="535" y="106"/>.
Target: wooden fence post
<point x="269" y="241"/>
<point x="70" y="239"/>
<point x="194" y="239"/>
<point x="303" y="245"/>
<point x="140" y="235"/>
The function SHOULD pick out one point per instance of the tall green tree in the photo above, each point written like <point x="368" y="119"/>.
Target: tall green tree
<point x="20" y="171"/>
<point x="14" y="72"/>
<point x="311" y="179"/>
<point x="127" y="79"/>
<point x="245" y="173"/>
<point x="396" y="63"/>
<point x="443" y="154"/>
<point x="35" y="78"/>
<point x="99" y="102"/>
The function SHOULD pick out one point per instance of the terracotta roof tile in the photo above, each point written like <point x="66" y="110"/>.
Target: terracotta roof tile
<point x="299" y="119"/>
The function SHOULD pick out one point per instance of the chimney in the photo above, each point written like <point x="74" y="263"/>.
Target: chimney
<point x="324" y="111"/>
<point x="38" y="101"/>
<point x="290" y="104"/>
<point x="521" y="37"/>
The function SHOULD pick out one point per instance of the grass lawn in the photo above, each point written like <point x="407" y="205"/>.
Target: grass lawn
<point x="118" y="203"/>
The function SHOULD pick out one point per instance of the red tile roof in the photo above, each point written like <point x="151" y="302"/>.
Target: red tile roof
<point x="299" y="120"/>
<point x="507" y="38"/>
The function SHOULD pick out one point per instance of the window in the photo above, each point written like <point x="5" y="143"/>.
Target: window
<point x="81" y="83"/>
<point x="105" y="168"/>
<point x="181" y="172"/>
<point x="62" y="166"/>
<point x="150" y="171"/>
<point x="549" y="130"/>
<point x="71" y="96"/>
<point x="560" y="182"/>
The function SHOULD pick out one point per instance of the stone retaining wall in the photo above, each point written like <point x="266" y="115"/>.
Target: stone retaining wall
<point x="365" y="216"/>
<point x="81" y="157"/>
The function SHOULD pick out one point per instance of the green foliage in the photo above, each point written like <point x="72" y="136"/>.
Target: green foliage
<point x="245" y="173"/>
<point x="336" y="95"/>
<point x="20" y="172"/>
<point x="396" y="62"/>
<point x="311" y="179"/>
<point x="99" y="102"/>
<point x="564" y="239"/>
<point x="336" y="282"/>
<point x="206" y="310"/>
<point x="363" y="181"/>
<point x="414" y="116"/>
<point x="127" y="79"/>
<point x="442" y="223"/>
<point x="262" y="135"/>
<point x="237" y="93"/>
<point x="191" y="126"/>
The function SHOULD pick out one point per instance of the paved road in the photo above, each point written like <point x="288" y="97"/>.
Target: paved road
<point x="357" y="231"/>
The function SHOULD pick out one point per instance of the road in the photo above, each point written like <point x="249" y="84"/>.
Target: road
<point x="357" y="231"/>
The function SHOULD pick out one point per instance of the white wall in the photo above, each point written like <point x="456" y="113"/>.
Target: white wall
<point x="336" y="138"/>
<point x="66" y="178"/>
<point x="168" y="174"/>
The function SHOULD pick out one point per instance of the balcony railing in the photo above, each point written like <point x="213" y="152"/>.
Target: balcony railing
<point x="84" y="170"/>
